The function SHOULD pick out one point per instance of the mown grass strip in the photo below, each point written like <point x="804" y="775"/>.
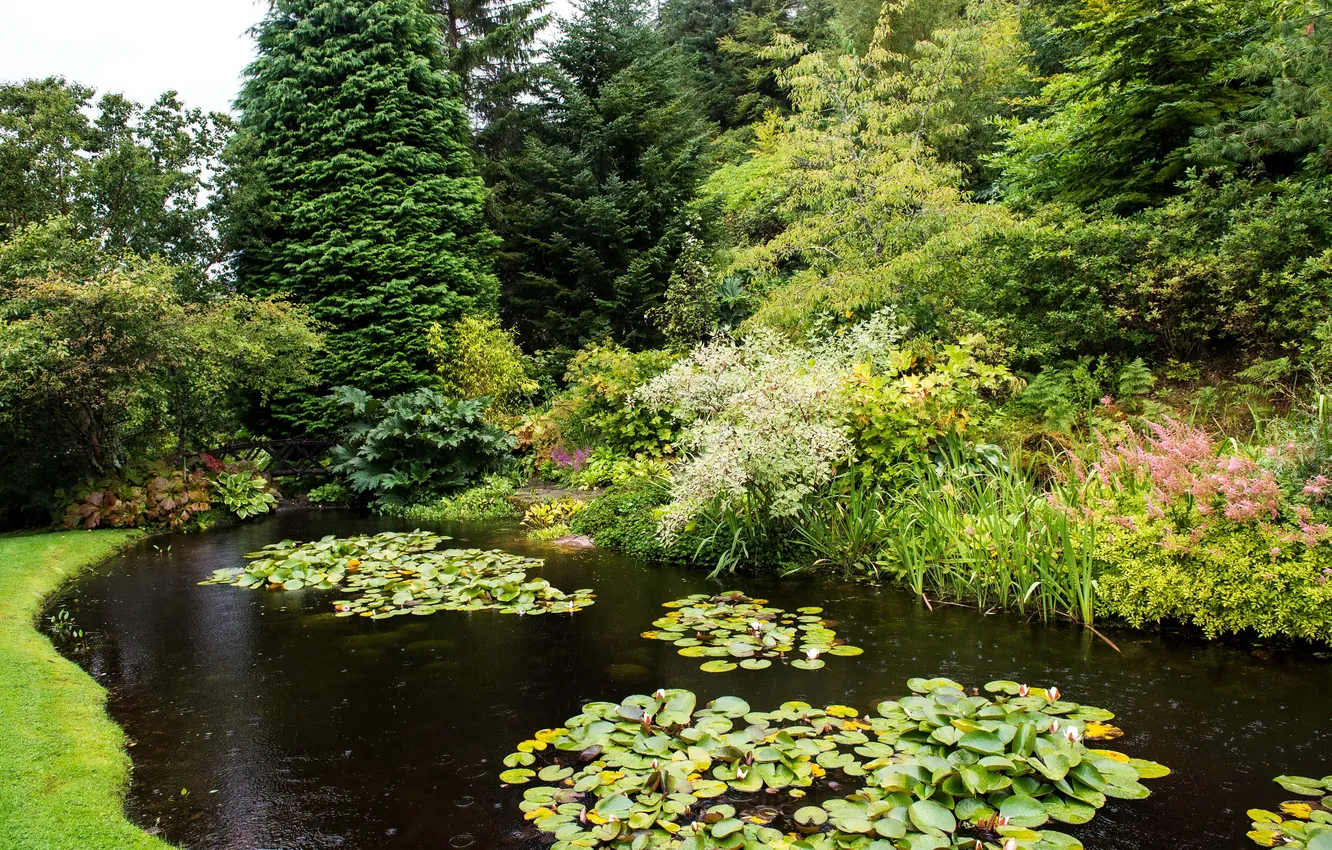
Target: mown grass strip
<point x="63" y="763"/>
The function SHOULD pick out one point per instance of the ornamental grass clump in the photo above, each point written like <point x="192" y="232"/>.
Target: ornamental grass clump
<point x="942" y="768"/>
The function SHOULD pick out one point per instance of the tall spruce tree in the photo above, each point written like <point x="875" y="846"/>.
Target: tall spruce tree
<point x="589" y="207"/>
<point x="490" y="45"/>
<point x="359" y="192"/>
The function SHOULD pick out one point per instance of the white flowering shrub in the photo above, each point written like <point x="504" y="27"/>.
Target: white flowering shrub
<point x="761" y="426"/>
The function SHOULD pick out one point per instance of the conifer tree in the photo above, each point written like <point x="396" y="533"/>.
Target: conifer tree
<point x="361" y="198"/>
<point x="490" y="45"/>
<point x="589" y="207"/>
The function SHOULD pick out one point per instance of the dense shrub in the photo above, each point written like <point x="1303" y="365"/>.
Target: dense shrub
<point x="762" y="428"/>
<point x="1230" y="580"/>
<point x="98" y="372"/>
<point x="900" y="406"/>
<point x="596" y="409"/>
<point x="331" y="493"/>
<point x="624" y="519"/>
<point x="489" y="500"/>
<point x="417" y="445"/>
<point x="479" y="359"/>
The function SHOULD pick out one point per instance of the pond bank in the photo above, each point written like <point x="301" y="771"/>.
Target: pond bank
<point x="63" y="763"/>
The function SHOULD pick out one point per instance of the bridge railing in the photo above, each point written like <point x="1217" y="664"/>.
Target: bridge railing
<point x="294" y="457"/>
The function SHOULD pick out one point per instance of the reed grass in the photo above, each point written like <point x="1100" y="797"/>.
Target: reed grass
<point x="966" y="529"/>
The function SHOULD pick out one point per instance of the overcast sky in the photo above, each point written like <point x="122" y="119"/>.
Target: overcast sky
<point x="139" y="47"/>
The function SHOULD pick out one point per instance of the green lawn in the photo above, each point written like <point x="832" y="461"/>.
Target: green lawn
<point x="63" y="764"/>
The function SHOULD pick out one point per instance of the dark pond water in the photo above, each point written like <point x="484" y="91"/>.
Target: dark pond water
<point x="290" y="728"/>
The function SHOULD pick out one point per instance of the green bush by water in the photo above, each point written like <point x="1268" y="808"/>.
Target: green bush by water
<point x="622" y="519"/>
<point x="489" y="500"/>
<point x="1233" y="580"/>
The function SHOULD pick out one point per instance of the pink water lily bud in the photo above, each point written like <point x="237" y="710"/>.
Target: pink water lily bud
<point x="1054" y="726"/>
<point x="1054" y="694"/>
<point x="812" y="653"/>
<point x="1010" y="844"/>
<point x="1073" y="735"/>
<point x="660" y="694"/>
<point x="1000" y="821"/>
<point x="1023" y="690"/>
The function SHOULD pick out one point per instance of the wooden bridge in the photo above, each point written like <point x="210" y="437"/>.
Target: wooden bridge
<point x="290" y="458"/>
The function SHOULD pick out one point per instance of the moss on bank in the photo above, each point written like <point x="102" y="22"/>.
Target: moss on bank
<point x="63" y="763"/>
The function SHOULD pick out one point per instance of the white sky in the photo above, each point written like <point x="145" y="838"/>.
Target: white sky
<point x="139" y="47"/>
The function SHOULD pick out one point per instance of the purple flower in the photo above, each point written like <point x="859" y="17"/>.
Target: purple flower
<point x="575" y="461"/>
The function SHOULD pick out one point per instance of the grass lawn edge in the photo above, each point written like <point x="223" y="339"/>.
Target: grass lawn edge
<point x="64" y="767"/>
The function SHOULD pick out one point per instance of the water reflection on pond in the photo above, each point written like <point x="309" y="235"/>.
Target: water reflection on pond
<point x="290" y="728"/>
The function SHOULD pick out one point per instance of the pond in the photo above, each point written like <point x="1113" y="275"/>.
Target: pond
<point x="260" y="720"/>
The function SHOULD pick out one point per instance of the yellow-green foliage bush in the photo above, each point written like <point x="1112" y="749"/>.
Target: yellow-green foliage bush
<point x="596" y="411"/>
<point x="1236" y="579"/>
<point x="554" y="514"/>
<point x="900" y="406"/>
<point x="488" y="500"/>
<point x="478" y="358"/>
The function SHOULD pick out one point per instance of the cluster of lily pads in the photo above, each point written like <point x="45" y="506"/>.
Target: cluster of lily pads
<point x="1302" y="823"/>
<point x="941" y="768"/>
<point x="405" y="573"/>
<point x="730" y="625"/>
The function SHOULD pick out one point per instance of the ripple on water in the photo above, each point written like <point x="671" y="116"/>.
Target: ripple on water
<point x="428" y="709"/>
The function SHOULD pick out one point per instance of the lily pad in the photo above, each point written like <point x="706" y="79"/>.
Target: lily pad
<point x="392" y="574"/>
<point x="732" y="625"/>
<point x="717" y="666"/>
<point x="661" y="765"/>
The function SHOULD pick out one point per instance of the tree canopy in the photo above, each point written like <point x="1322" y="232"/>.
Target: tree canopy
<point x="358" y="190"/>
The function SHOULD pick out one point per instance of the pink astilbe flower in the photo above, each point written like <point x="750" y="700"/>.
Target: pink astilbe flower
<point x="1181" y="475"/>
<point x="575" y="461"/>
<point x="1317" y="487"/>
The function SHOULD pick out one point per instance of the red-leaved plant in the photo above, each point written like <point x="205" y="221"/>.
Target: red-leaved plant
<point x="152" y="495"/>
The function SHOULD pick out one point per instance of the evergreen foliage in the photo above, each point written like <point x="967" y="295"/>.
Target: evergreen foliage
<point x="588" y="209"/>
<point x="1119" y="121"/>
<point x="357" y="191"/>
<point x="490" y="45"/>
